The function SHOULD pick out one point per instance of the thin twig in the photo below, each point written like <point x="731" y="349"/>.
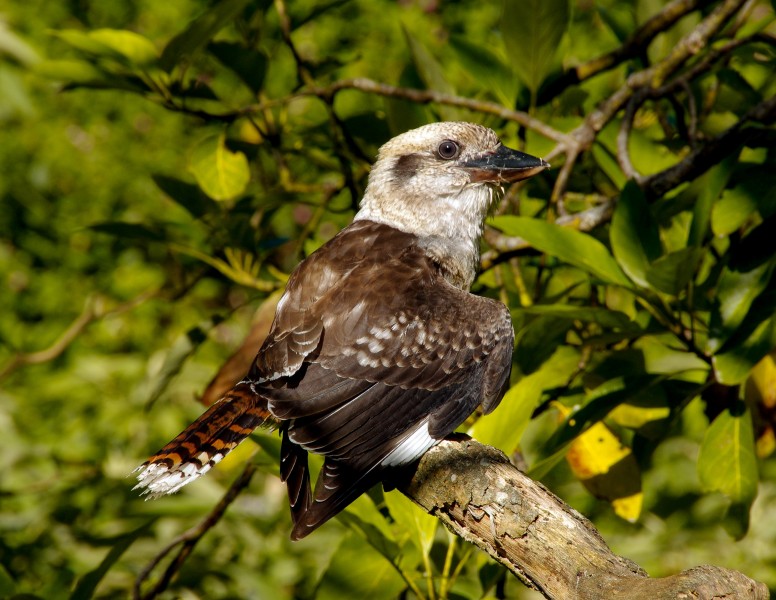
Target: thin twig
<point x="95" y="308"/>
<point x="635" y="45"/>
<point x="189" y="539"/>
<point x="713" y="151"/>
<point x="652" y="77"/>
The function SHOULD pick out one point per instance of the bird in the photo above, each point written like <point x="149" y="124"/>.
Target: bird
<point x="378" y="350"/>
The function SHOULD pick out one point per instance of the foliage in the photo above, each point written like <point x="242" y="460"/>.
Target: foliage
<point x="194" y="153"/>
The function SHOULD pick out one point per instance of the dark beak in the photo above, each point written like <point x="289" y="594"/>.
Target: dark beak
<point x="504" y="166"/>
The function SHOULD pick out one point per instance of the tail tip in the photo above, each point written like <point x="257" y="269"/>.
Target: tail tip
<point x="156" y="479"/>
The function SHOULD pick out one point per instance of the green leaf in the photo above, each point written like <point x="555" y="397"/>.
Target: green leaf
<point x="733" y="366"/>
<point x="85" y="74"/>
<point x="86" y="586"/>
<point x="605" y="317"/>
<point x="129" y="231"/>
<point x="710" y="186"/>
<point x="727" y="461"/>
<point x="414" y="520"/>
<point x="634" y="234"/>
<point x="736" y="291"/>
<point x="532" y="31"/>
<point x="733" y="210"/>
<point x="84" y="42"/>
<point x="432" y="74"/>
<point x="568" y="245"/>
<point x="485" y="68"/>
<point x="186" y="195"/>
<point x="363" y="517"/>
<point x="127" y="48"/>
<point x="133" y="47"/>
<point x="7" y="584"/>
<point x="403" y="115"/>
<point x="249" y="64"/>
<point x="608" y="164"/>
<point x="14" y="46"/>
<point x="671" y="273"/>
<point x="156" y="383"/>
<point x="537" y="341"/>
<point x="222" y="174"/>
<point x="358" y="571"/>
<point x="318" y="10"/>
<point x="505" y="427"/>
<point x="199" y="32"/>
<point x="600" y="402"/>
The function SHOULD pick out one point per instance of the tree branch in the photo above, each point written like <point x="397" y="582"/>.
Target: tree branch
<point x="478" y="495"/>
<point x="635" y="45"/>
<point x="95" y="308"/>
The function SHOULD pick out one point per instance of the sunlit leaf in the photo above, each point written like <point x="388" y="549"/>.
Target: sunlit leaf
<point x="727" y="461"/>
<point x="608" y="470"/>
<point x="420" y="525"/>
<point x="634" y="234"/>
<point x="598" y="404"/>
<point x="733" y="366"/>
<point x="763" y="381"/>
<point x="358" y="571"/>
<point x="734" y="209"/>
<point x="138" y="50"/>
<point x="608" y="164"/>
<point x="672" y="272"/>
<point x="80" y="73"/>
<point x="659" y="356"/>
<point x="710" y="187"/>
<point x="760" y="392"/>
<point x="11" y="44"/>
<point x="363" y="517"/>
<point x="638" y="412"/>
<point x="736" y="291"/>
<point x="221" y="173"/>
<point x="505" y="427"/>
<point x="532" y="31"/>
<point x="568" y="245"/>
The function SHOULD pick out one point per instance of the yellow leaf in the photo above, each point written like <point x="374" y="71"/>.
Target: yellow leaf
<point x="220" y="173"/>
<point x="634" y="417"/>
<point x="608" y="470"/>
<point x="761" y="386"/>
<point x="760" y="394"/>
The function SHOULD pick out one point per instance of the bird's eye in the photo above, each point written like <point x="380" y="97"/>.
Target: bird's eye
<point x="448" y="149"/>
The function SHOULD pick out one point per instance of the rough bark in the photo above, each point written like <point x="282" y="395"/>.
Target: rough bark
<point x="480" y="496"/>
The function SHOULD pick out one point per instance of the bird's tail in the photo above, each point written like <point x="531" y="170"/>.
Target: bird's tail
<point x="205" y="442"/>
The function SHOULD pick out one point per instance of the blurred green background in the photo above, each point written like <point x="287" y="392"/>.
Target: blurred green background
<point x="113" y="321"/>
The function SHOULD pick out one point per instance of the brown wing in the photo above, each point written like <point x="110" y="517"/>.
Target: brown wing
<point x="376" y="366"/>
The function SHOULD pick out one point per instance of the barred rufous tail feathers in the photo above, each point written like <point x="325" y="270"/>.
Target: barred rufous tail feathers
<point x="205" y="442"/>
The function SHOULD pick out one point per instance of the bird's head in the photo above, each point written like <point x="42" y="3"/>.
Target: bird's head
<point x="440" y="180"/>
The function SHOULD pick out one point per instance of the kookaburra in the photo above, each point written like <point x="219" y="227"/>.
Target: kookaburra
<point x="378" y="350"/>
